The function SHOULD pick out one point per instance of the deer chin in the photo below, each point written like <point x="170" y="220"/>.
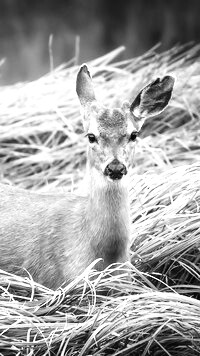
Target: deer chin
<point x="114" y="179"/>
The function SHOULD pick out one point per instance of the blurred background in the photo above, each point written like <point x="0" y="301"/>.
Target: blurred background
<point x="103" y="25"/>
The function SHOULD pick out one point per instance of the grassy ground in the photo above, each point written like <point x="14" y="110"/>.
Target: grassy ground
<point x="42" y="148"/>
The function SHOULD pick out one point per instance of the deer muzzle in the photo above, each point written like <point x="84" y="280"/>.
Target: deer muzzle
<point x="115" y="170"/>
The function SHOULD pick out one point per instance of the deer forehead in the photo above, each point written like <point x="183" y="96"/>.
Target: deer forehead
<point x="109" y="122"/>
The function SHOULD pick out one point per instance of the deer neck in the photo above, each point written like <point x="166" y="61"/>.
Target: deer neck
<point x="107" y="214"/>
<point x="112" y="194"/>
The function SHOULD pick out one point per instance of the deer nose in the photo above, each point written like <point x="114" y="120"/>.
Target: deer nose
<point x="115" y="170"/>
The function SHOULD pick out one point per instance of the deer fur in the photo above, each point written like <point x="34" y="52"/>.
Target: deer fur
<point x="55" y="237"/>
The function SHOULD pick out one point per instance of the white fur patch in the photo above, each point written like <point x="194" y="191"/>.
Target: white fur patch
<point x="93" y="127"/>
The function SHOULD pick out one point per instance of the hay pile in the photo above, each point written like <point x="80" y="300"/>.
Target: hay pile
<point x="81" y="320"/>
<point x="42" y="148"/>
<point x="40" y="125"/>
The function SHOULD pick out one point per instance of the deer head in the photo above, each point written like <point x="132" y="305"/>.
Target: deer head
<point x="110" y="132"/>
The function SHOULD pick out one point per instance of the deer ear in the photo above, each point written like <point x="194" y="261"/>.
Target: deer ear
<point x="84" y="87"/>
<point x="153" y="98"/>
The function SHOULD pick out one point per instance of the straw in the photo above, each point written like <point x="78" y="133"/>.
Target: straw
<point x="156" y="311"/>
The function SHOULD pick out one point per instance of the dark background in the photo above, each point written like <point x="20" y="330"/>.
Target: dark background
<point x="25" y="27"/>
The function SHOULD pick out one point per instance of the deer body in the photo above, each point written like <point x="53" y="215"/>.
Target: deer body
<point x="55" y="237"/>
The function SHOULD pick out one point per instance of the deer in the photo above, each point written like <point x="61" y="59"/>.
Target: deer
<point x="55" y="237"/>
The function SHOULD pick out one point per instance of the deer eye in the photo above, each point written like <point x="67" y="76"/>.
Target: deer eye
<point x="133" y="136"/>
<point x="92" y="138"/>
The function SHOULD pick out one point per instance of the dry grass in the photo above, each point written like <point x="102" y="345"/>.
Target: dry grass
<point x="42" y="148"/>
<point x="40" y="121"/>
<point x="165" y="229"/>
<point x="81" y="320"/>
